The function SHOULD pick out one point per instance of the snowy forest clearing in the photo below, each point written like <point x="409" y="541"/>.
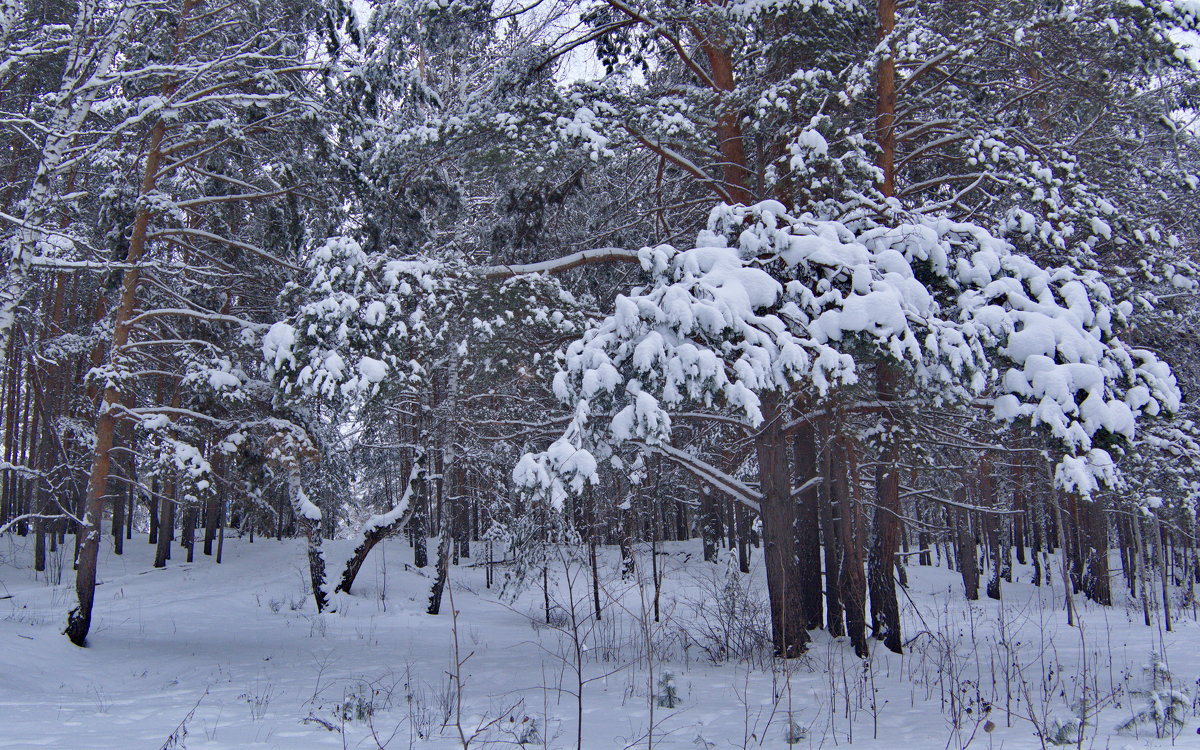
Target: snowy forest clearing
<point x="891" y="297"/>
<point x="235" y="655"/>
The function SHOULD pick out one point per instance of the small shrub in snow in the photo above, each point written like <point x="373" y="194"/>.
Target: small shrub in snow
<point x="1062" y="733"/>
<point x="795" y="733"/>
<point x="730" y="620"/>
<point x="1164" y="706"/>
<point x="668" y="693"/>
<point x="258" y="698"/>
<point x="358" y="704"/>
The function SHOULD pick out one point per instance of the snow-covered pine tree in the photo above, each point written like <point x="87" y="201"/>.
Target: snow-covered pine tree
<point x="204" y="96"/>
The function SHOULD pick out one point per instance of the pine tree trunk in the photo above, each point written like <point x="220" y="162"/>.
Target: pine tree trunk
<point x="784" y="580"/>
<point x="991" y="526"/>
<point x="808" y="522"/>
<point x="1160" y="543"/>
<point x="830" y="516"/>
<point x="118" y="524"/>
<point x="853" y="582"/>
<point x="710" y="523"/>
<point x="212" y="512"/>
<point x="166" y="525"/>
<point x="885" y="609"/>
<point x="885" y="101"/>
<point x="413" y="494"/>
<point x="152" y="508"/>
<point x="968" y="563"/>
<point x="79" y="620"/>
<point x="1094" y="533"/>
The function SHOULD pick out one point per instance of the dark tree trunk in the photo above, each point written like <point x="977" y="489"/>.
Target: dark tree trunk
<point x="784" y="580"/>
<point x="152" y="509"/>
<point x="1019" y="524"/>
<point x="853" y="582"/>
<point x="991" y="527"/>
<point x="166" y="530"/>
<point x="830" y="517"/>
<point x="808" y="523"/>
<point x="710" y="523"/>
<point x="39" y="545"/>
<point x="1035" y="552"/>
<point x="188" y="531"/>
<point x="439" y="579"/>
<point x="79" y="619"/>
<point x="1094" y="535"/>
<point x="968" y="563"/>
<point x="118" y="524"/>
<point x="212" y="514"/>
<point x="885" y="609"/>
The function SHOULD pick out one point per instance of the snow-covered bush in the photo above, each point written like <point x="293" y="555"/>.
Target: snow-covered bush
<point x="1163" y="706"/>
<point x="668" y="693"/>
<point x="767" y="301"/>
<point x="1065" y="732"/>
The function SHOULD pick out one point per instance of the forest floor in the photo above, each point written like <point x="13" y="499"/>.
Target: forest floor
<point x="234" y="656"/>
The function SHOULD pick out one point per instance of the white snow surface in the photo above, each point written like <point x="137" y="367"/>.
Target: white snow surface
<point x="236" y="653"/>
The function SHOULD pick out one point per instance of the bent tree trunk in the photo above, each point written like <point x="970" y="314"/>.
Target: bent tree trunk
<point x="378" y="528"/>
<point x="784" y="580"/>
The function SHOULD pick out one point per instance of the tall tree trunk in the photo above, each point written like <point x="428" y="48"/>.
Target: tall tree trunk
<point x="853" y="581"/>
<point x="734" y="171"/>
<point x="166" y="523"/>
<point x="152" y="509"/>
<point x="118" y="524"/>
<point x="991" y="526"/>
<point x="885" y="101"/>
<point x="1062" y="550"/>
<point x="89" y="58"/>
<point x="1093" y="532"/>
<point x="968" y="563"/>
<point x="808" y="522"/>
<point x="885" y="609"/>
<point x="784" y="580"/>
<point x="1160" y="559"/>
<point x="830" y="515"/>
<point x="710" y="523"/>
<point x="212" y="511"/>
<point x="79" y="620"/>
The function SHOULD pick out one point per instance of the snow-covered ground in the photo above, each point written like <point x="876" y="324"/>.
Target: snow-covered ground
<point x="233" y="656"/>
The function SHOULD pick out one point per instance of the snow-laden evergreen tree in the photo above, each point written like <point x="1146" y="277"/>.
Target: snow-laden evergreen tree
<point x="199" y="104"/>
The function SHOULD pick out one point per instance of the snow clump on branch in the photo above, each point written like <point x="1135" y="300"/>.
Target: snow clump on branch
<point x="767" y="301"/>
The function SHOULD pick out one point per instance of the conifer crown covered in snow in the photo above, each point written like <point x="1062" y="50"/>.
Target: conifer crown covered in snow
<point x="767" y="301"/>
